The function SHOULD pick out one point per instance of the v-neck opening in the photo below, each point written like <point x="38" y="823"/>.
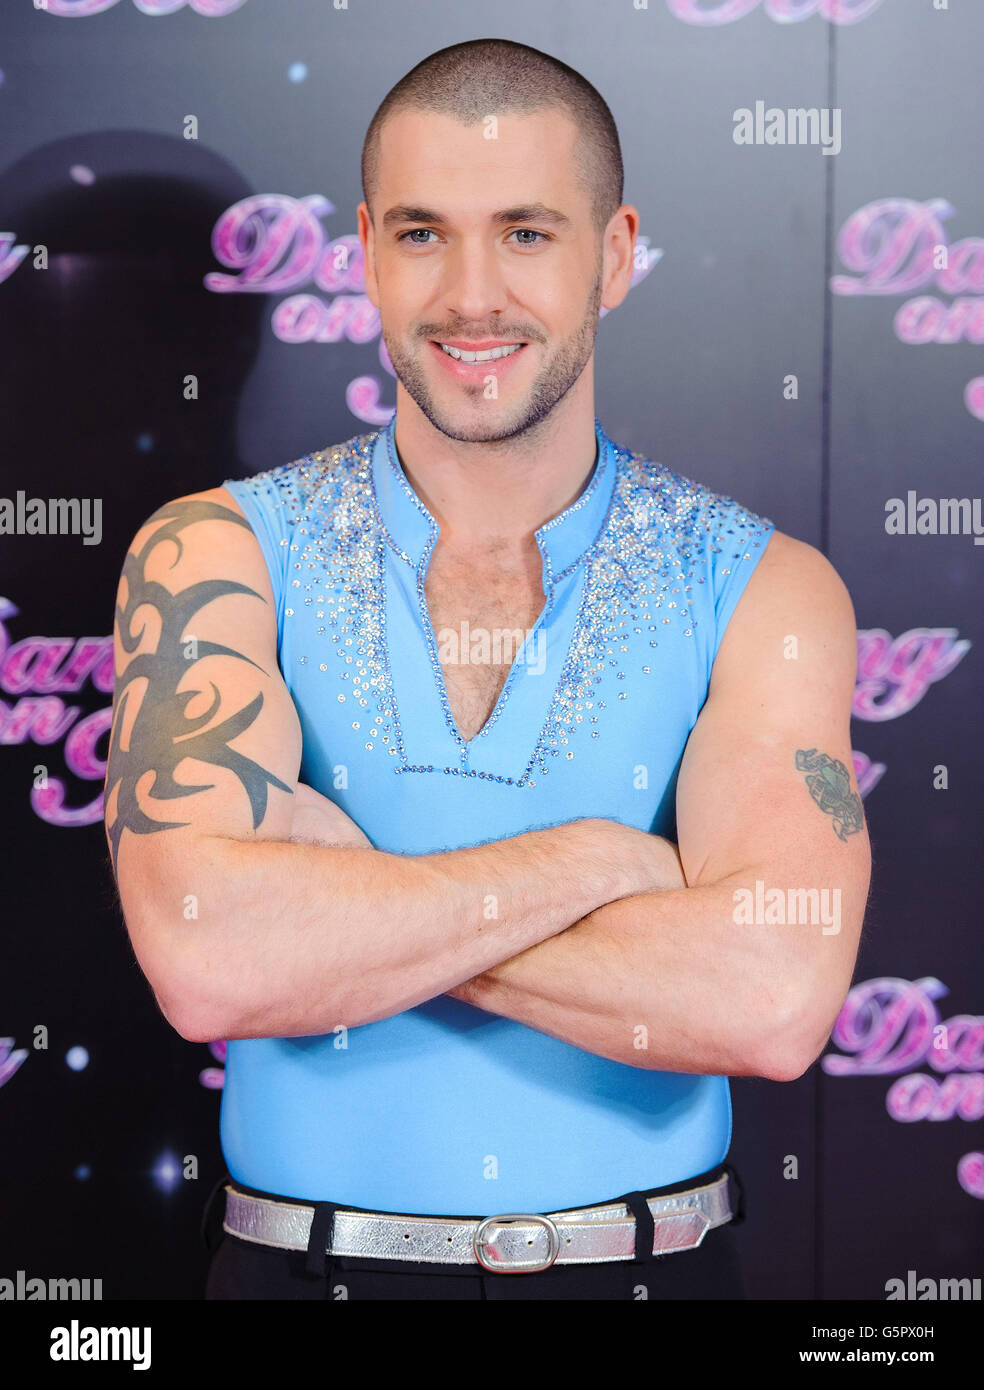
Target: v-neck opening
<point x="440" y="679"/>
<point x="410" y="533"/>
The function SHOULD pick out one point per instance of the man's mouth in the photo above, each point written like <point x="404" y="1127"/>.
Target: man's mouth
<point x="485" y="354"/>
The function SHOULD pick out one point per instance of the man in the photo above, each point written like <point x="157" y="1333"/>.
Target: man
<point x="444" y="760"/>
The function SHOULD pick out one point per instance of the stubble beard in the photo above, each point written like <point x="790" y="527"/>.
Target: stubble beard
<point x="550" y="386"/>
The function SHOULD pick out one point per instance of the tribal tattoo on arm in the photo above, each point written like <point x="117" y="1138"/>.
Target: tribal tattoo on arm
<point x="829" y="783"/>
<point x="162" y="733"/>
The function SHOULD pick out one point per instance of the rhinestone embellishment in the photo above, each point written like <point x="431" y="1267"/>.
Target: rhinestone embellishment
<point x="642" y="572"/>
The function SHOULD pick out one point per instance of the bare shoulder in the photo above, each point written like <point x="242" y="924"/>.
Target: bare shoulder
<point x="796" y="580"/>
<point x="795" y="608"/>
<point x="221" y="496"/>
<point x="792" y="571"/>
<point x="196" y="537"/>
<point x="201" y="505"/>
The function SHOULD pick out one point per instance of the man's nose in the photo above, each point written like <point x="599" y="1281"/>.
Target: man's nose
<point x="475" y="284"/>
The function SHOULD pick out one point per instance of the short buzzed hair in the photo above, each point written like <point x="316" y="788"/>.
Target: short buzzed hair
<point x="471" y="81"/>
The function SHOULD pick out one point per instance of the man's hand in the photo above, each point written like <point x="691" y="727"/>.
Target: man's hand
<point x="652" y="862"/>
<point x="318" y="820"/>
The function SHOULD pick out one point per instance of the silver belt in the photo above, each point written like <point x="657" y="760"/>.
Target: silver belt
<point x="514" y="1242"/>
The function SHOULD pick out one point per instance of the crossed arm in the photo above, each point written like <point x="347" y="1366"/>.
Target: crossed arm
<point x="738" y="958"/>
<point x="608" y="938"/>
<point x="741" y="962"/>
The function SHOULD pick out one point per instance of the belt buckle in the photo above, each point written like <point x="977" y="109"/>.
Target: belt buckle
<point x="480" y="1243"/>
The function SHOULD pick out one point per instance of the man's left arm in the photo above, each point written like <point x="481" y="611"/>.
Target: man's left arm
<point x="740" y="965"/>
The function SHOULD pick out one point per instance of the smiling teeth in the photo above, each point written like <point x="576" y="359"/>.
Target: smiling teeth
<point x="489" y="355"/>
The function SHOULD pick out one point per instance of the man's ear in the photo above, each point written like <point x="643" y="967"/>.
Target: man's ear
<point x="619" y="255"/>
<point x="367" y="238"/>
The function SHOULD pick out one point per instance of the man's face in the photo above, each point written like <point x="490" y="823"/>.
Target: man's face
<point x="483" y="244"/>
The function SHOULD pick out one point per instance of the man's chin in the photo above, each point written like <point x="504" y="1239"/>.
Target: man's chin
<point x="478" y="426"/>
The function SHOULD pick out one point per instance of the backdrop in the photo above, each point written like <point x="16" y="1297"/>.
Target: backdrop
<point x="804" y="333"/>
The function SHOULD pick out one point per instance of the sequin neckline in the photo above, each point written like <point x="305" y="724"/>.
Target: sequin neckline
<point x="634" y="540"/>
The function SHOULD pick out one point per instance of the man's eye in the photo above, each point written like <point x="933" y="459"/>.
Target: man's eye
<point x="529" y="232"/>
<point x="416" y="231"/>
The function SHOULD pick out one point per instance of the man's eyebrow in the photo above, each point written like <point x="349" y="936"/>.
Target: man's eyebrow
<point x="525" y="212"/>
<point x="532" y="212"/>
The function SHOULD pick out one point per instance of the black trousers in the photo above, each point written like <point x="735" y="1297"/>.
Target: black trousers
<point x="243" y="1269"/>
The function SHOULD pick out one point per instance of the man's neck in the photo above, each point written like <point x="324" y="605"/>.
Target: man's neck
<point x="494" y="496"/>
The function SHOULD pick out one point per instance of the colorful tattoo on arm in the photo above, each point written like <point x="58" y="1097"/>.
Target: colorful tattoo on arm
<point x="829" y="783"/>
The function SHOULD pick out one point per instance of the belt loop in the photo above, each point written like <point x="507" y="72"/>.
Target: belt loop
<point x="210" y="1226"/>
<point x="645" y="1227"/>
<point x="739" y="1215"/>
<point x="321" y="1238"/>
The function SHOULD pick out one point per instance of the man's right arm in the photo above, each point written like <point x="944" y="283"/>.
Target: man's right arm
<point x="240" y="932"/>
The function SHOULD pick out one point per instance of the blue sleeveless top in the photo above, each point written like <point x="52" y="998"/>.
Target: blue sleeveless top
<point x="446" y="1109"/>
